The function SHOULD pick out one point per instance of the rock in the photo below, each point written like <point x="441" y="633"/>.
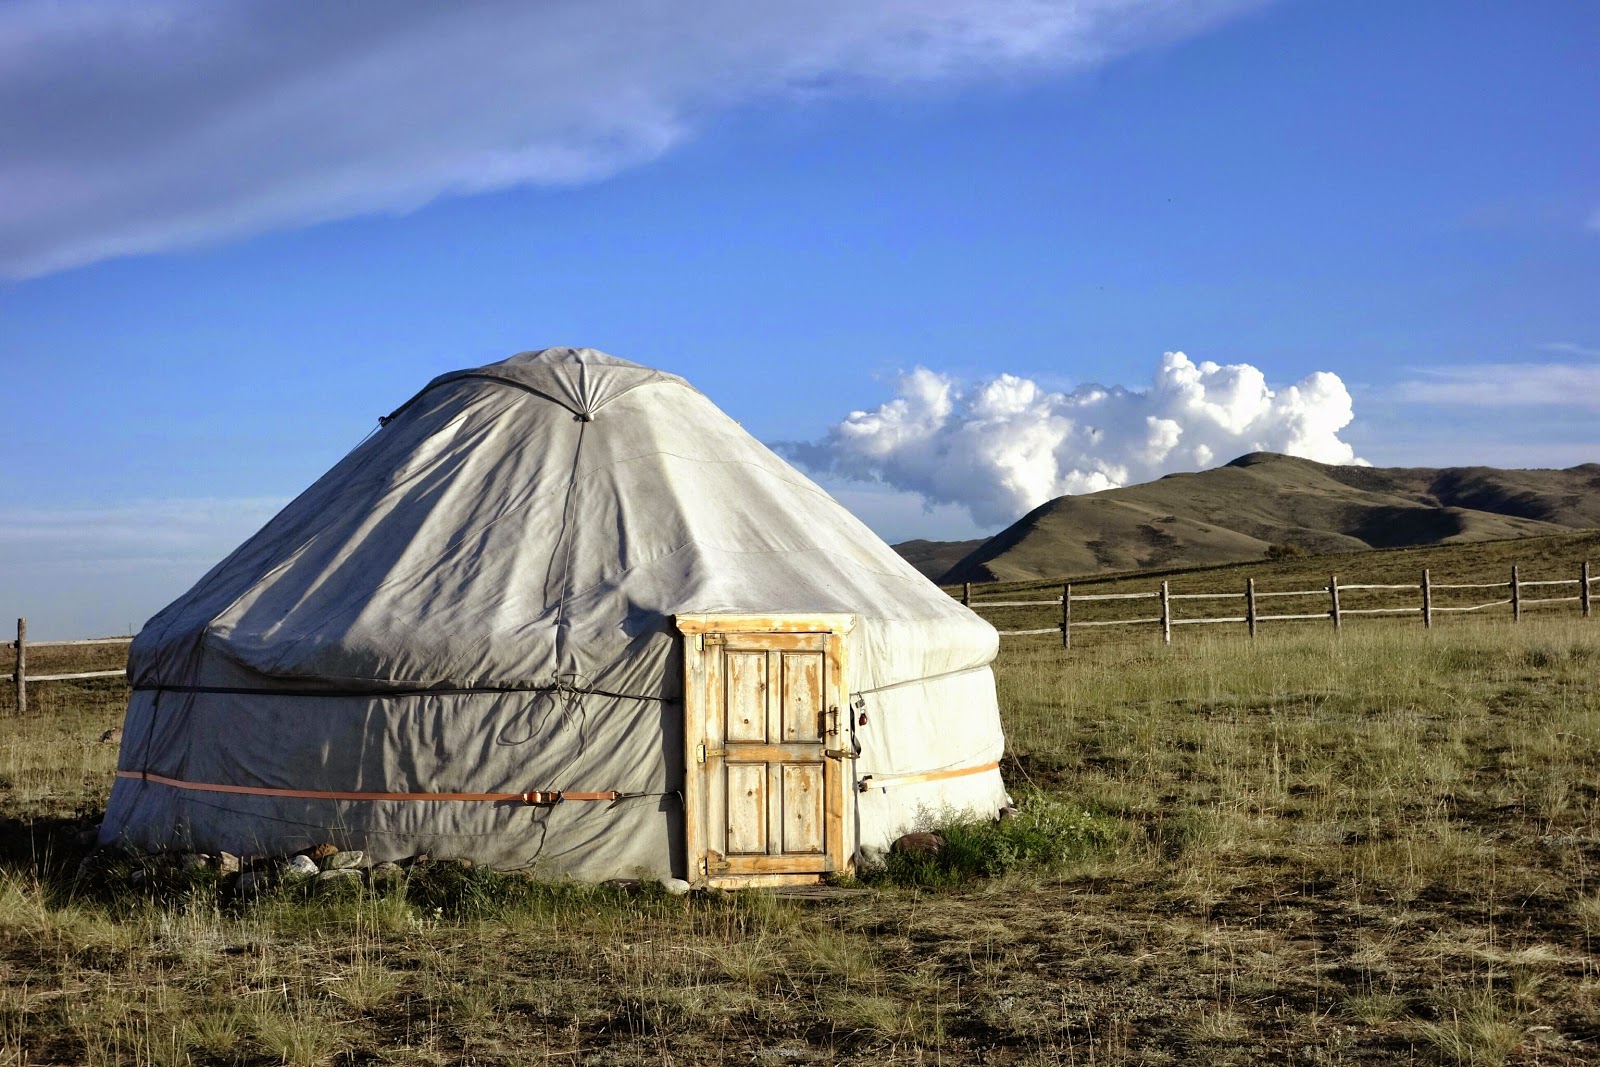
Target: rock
<point x="340" y="874"/>
<point x="422" y="859"/>
<point x="139" y="876"/>
<point x="343" y="861"/>
<point x="111" y="736"/>
<point x="194" y="861"/>
<point x="89" y="837"/>
<point x="298" y="867"/>
<point x="676" y="886"/>
<point x="1008" y="812"/>
<point x="918" y="844"/>
<point x="318" y="853"/>
<point x="228" y="863"/>
<point x="251" y="882"/>
<point x="386" y="873"/>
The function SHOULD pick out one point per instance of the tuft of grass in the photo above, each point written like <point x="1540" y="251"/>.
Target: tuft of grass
<point x="297" y="1038"/>
<point x="1045" y="836"/>
<point x="1476" y="1030"/>
<point x="217" y="1032"/>
<point x="1586" y="909"/>
<point x="1375" y="1007"/>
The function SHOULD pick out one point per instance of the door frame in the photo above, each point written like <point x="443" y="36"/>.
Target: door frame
<point x="839" y="824"/>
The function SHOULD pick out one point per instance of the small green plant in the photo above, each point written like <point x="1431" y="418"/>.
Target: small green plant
<point x="1046" y="834"/>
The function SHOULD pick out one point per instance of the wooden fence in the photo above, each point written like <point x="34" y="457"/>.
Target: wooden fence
<point x="20" y="676"/>
<point x="1336" y="613"/>
<point x="1252" y="618"/>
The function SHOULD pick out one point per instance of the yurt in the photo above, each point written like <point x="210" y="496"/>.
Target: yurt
<point x="560" y="612"/>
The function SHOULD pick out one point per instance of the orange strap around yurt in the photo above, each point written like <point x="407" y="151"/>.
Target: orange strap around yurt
<point x="872" y="781"/>
<point x="550" y="796"/>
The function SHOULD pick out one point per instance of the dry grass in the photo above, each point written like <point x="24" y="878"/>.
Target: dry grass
<point x="1376" y="848"/>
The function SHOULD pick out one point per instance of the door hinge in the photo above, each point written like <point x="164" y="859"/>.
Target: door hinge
<point x="714" y="863"/>
<point x="703" y="753"/>
<point x="703" y="866"/>
<point x="839" y="753"/>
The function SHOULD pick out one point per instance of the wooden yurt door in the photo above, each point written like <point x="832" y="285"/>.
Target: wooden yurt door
<point x="767" y="748"/>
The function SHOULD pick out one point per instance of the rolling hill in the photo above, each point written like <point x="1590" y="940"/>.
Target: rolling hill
<point x="1233" y="513"/>
<point x="935" y="558"/>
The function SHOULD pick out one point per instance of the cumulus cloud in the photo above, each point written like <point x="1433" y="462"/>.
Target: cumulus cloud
<point x="1006" y="445"/>
<point x="141" y="127"/>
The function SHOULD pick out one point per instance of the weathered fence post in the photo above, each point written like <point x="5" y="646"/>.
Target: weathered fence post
<point x="1066" y="615"/>
<point x="966" y="593"/>
<point x="1250" y="606"/>
<point x="1427" y="600"/>
<point x="1516" y="595"/>
<point x="1166" y="615"/>
<point x="1583" y="588"/>
<point x="1333" y="594"/>
<point x="21" y="676"/>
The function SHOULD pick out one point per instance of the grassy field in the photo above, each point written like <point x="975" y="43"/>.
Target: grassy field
<point x="1376" y="847"/>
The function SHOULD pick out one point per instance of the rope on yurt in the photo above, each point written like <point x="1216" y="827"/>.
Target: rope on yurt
<point x="532" y="687"/>
<point x="889" y="781"/>
<point x="532" y="797"/>
<point x="919" y="681"/>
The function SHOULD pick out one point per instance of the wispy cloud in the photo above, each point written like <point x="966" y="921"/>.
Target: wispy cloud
<point x="142" y="127"/>
<point x="1571" y="348"/>
<point x="1564" y="384"/>
<point x="197" y="531"/>
<point x="105" y="568"/>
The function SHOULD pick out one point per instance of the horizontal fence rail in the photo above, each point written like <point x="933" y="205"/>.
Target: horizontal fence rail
<point x="20" y="676"/>
<point x="1336" y="612"/>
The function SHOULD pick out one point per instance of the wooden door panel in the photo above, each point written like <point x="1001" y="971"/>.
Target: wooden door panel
<point x="802" y="818"/>
<point x="747" y="808"/>
<point x="800" y="675"/>
<point x="745" y="700"/>
<point x="764" y="797"/>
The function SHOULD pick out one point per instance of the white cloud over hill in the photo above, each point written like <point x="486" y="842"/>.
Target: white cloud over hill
<point x="1006" y="445"/>
<point x="140" y="127"/>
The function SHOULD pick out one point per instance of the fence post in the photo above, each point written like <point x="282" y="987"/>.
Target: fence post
<point x="1427" y="600"/>
<point x="1166" y="615"/>
<point x="1066" y="615"/>
<point x="21" y="676"/>
<point x="1583" y="588"/>
<point x="1250" y="606"/>
<point x="1333" y="594"/>
<point x="1516" y="595"/>
<point x="966" y="594"/>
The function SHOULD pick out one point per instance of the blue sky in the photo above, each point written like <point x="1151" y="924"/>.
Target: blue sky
<point x="228" y="243"/>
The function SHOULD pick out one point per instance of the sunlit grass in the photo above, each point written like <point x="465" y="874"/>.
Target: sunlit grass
<point x="1378" y="847"/>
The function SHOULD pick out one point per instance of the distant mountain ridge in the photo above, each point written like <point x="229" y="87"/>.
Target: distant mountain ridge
<point x="1233" y="513"/>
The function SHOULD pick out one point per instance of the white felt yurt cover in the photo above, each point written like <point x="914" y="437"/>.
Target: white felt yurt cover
<point x="480" y="599"/>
